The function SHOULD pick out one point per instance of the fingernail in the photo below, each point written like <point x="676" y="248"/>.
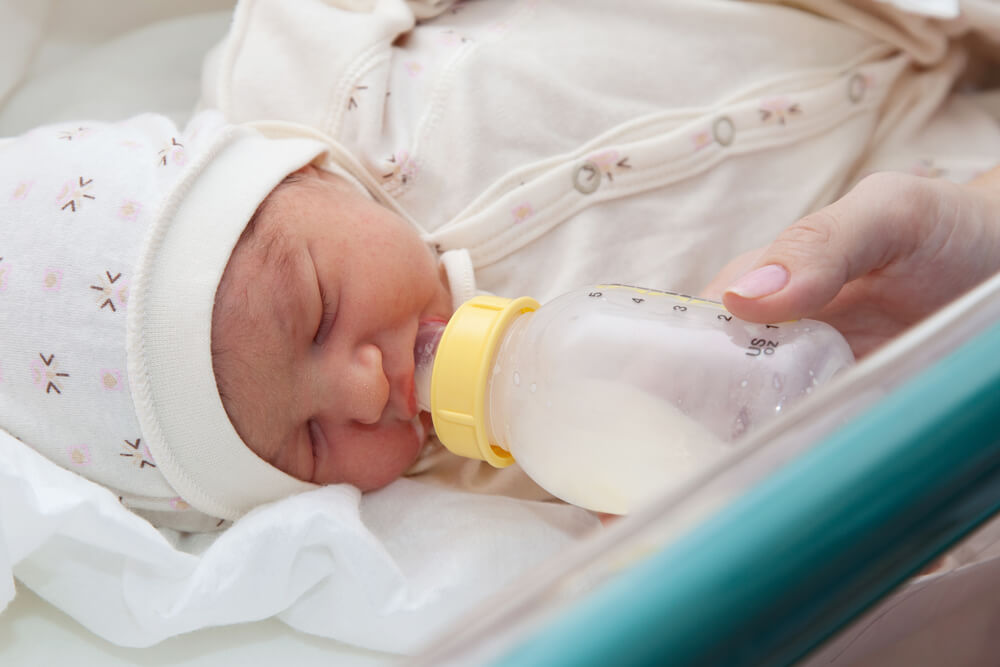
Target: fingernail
<point x="760" y="282"/>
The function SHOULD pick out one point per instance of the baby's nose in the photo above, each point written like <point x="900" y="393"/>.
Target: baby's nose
<point x="368" y="389"/>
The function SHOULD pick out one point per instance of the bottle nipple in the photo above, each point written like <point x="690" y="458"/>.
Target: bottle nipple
<point x="424" y="352"/>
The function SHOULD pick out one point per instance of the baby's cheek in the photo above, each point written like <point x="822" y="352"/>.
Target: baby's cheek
<point x="406" y="441"/>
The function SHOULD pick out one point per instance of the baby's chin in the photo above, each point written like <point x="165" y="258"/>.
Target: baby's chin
<point x="376" y="472"/>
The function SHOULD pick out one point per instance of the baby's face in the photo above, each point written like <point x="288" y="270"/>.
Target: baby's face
<point x="313" y="333"/>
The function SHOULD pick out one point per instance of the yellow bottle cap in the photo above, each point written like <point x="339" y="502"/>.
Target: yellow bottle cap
<point x="461" y="374"/>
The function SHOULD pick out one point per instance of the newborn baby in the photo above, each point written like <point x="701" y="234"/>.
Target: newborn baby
<point x="313" y="332"/>
<point x="131" y="282"/>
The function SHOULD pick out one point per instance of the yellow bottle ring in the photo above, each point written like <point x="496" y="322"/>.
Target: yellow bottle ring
<point x="462" y="371"/>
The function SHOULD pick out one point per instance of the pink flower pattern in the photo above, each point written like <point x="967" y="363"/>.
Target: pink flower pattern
<point x="129" y="210"/>
<point x="138" y="453"/>
<point x="522" y="212"/>
<point x="74" y="192"/>
<point x="111" y="379"/>
<point x="609" y="162"/>
<point x="45" y="373"/>
<point x="172" y="153"/>
<point x="79" y="455"/>
<point x="401" y="168"/>
<point x="778" y="109"/>
<point x="21" y="191"/>
<point x="701" y="139"/>
<point x="179" y="503"/>
<point x="112" y="291"/>
<point x="52" y="280"/>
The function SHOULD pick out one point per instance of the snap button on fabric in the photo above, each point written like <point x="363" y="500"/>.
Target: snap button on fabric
<point x="587" y="177"/>
<point x="723" y="130"/>
<point x="856" y="87"/>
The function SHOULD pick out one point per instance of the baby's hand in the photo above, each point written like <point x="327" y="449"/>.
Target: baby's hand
<point x="891" y="251"/>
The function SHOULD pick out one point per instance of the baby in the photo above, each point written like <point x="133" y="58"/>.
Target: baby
<point x="113" y="243"/>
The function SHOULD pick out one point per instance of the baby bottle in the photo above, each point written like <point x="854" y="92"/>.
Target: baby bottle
<point x="610" y="394"/>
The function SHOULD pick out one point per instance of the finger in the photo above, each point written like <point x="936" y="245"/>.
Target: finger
<point x="876" y="223"/>
<point x="730" y="272"/>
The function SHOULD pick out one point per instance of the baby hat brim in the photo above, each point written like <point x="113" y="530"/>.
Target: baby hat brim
<point x="168" y="338"/>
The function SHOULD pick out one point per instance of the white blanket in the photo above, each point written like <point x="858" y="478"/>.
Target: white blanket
<point x="385" y="571"/>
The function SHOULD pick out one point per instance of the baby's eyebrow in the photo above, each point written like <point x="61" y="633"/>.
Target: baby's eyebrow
<point x="279" y="258"/>
<point x="273" y="281"/>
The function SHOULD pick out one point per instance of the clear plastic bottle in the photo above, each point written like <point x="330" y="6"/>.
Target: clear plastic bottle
<point x="610" y="394"/>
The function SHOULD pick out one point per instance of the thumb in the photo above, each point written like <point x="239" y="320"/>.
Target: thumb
<point x="807" y="265"/>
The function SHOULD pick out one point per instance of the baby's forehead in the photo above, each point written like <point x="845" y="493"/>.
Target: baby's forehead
<point x="263" y="275"/>
<point x="268" y="228"/>
<point x="271" y="243"/>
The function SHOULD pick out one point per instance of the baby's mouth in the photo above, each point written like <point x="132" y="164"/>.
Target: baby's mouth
<point x="412" y="409"/>
<point x="424" y="350"/>
<point x="402" y="401"/>
<point x="418" y="426"/>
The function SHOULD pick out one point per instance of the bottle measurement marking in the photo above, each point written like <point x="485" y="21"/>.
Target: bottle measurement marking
<point x="725" y="315"/>
<point x="760" y="346"/>
<point x="757" y="348"/>
<point x="676" y="296"/>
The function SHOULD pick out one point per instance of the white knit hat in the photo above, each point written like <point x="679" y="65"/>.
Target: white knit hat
<point x="113" y="238"/>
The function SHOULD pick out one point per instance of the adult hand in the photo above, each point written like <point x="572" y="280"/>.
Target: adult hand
<point x="891" y="251"/>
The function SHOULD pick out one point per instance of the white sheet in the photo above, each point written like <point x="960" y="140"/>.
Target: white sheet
<point x="33" y="632"/>
<point x="384" y="572"/>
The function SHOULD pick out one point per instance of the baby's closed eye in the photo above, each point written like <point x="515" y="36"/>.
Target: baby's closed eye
<point x="325" y="323"/>
<point x="328" y="310"/>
